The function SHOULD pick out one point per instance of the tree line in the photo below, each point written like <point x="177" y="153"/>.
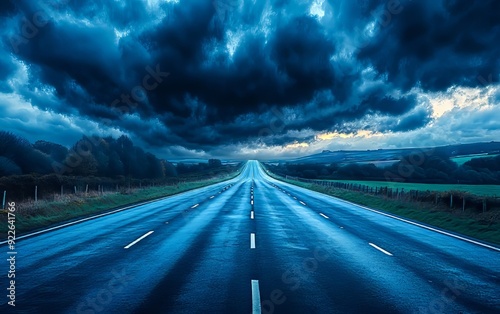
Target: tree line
<point x="435" y="168"/>
<point x="89" y="156"/>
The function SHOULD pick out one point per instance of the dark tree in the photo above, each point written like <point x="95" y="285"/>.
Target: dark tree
<point x="214" y="163"/>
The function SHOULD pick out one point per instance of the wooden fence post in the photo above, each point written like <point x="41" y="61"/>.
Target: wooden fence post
<point x="75" y="189"/>
<point x="86" y="189"/>
<point x="451" y="200"/>
<point x="62" y="190"/>
<point x="36" y="193"/>
<point x="3" y="202"/>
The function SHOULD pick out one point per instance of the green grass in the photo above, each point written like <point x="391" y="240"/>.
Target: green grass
<point x="469" y="223"/>
<point x="480" y="190"/>
<point x="30" y="217"/>
<point x="463" y="159"/>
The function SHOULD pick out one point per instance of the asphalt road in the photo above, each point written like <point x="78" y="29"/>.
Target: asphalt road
<point x="251" y="245"/>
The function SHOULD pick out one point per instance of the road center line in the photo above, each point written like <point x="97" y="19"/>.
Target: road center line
<point x="380" y="249"/>
<point x="324" y="215"/>
<point x="302" y="203"/>
<point x="251" y="215"/>
<point x="194" y="206"/>
<point x="256" y="307"/>
<point x="251" y="202"/>
<point x="139" y="239"/>
<point x="252" y="240"/>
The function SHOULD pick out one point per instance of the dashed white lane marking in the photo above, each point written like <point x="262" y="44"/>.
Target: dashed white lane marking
<point x="380" y="249"/>
<point x="166" y="223"/>
<point x="251" y="215"/>
<point x="252" y="240"/>
<point x="324" y="215"/>
<point x="139" y="239"/>
<point x="302" y="203"/>
<point x="294" y="198"/>
<point x="256" y="307"/>
<point x="196" y="205"/>
<point x="212" y="196"/>
<point x="251" y="202"/>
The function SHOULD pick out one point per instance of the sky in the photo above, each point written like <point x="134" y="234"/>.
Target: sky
<point x="252" y="78"/>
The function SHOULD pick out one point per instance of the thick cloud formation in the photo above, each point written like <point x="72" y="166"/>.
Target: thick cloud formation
<point x="202" y="75"/>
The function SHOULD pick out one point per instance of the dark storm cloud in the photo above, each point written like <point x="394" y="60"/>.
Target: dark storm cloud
<point x="7" y="8"/>
<point x="413" y="121"/>
<point x="437" y="44"/>
<point x="288" y="72"/>
<point x="7" y="68"/>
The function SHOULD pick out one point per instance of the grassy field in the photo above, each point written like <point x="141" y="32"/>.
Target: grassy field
<point x="483" y="226"/>
<point x="480" y="190"/>
<point x="31" y="216"/>
<point x="463" y="159"/>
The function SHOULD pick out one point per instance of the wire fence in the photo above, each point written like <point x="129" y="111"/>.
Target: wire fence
<point x="453" y="199"/>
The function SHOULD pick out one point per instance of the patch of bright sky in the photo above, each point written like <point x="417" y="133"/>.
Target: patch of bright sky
<point x="316" y="9"/>
<point x="266" y="19"/>
<point x="233" y="41"/>
<point x="296" y="145"/>
<point x="333" y="135"/>
<point x="119" y="34"/>
<point x="21" y="115"/>
<point x="460" y="97"/>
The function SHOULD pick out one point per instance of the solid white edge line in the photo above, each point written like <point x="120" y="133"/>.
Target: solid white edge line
<point x="256" y="307"/>
<point x="405" y="220"/>
<point x="380" y="249"/>
<point x="424" y="226"/>
<point x="302" y="203"/>
<point x="251" y="214"/>
<point x="324" y="215"/>
<point x="196" y="205"/>
<point x="137" y="240"/>
<point x="106" y="213"/>
<point x="252" y="240"/>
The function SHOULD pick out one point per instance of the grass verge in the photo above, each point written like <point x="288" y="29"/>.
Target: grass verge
<point x="479" y="190"/>
<point x="31" y="217"/>
<point x="482" y="226"/>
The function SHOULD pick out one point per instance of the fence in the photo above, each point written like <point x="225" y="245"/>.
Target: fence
<point x="29" y="187"/>
<point x="455" y="199"/>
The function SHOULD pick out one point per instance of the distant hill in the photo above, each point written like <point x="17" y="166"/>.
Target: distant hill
<point x="381" y="155"/>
